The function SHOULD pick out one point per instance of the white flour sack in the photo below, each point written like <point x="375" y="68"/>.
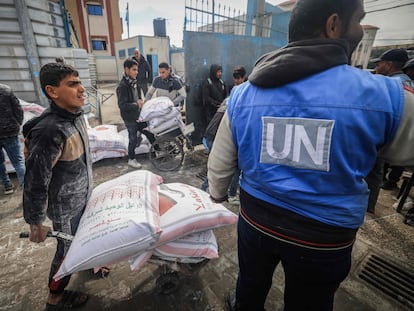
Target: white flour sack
<point x="185" y="209"/>
<point x="156" y="107"/>
<point x="191" y="248"/>
<point x="121" y="219"/>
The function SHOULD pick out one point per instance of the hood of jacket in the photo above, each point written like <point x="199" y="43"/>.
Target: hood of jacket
<point x="298" y="60"/>
<point x="213" y="71"/>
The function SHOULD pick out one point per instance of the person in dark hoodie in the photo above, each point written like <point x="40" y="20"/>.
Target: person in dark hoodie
<point x="11" y="118"/>
<point x="214" y="91"/>
<point x="305" y="130"/>
<point x="58" y="180"/>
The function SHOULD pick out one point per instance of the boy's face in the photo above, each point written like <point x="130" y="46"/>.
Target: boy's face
<point x="132" y="72"/>
<point x="238" y="80"/>
<point x="69" y="95"/>
<point x="164" y="73"/>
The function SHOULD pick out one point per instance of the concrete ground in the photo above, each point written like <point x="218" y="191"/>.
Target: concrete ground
<point x="25" y="265"/>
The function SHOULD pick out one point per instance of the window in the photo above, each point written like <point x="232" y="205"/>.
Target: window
<point x="121" y="54"/>
<point x="131" y="51"/>
<point x="99" y="45"/>
<point x="95" y="9"/>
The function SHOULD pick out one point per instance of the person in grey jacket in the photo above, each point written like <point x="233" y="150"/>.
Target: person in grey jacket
<point x="11" y="118"/>
<point x="167" y="85"/>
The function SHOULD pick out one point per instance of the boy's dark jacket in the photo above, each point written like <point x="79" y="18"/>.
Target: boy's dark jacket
<point x="58" y="165"/>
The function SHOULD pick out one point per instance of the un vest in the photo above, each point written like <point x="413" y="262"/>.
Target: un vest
<point x="308" y="145"/>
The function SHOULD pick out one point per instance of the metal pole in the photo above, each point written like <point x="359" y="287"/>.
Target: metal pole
<point x="213" y="17"/>
<point x="31" y="48"/>
<point x="65" y="23"/>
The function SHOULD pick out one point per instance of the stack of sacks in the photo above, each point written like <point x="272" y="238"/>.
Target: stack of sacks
<point x="187" y="216"/>
<point x="120" y="219"/>
<point x="30" y="111"/>
<point x="122" y="222"/>
<point x="106" y="142"/>
<point x="144" y="145"/>
<point x="161" y="115"/>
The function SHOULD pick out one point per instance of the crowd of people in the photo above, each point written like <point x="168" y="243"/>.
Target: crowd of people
<point x="296" y="155"/>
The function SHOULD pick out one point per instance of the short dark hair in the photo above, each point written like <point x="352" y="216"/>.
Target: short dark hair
<point x="164" y="65"/>
<point x="53" y="73"/>
<point x="129" y="63"/>
<point x="308" y="18"/>
<point x="239" y="72"/>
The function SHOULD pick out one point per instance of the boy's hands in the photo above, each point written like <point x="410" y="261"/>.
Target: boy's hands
<point x="38" y="233"/>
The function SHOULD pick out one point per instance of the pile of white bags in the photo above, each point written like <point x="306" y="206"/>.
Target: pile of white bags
<point x="29" y="111"/>
<point x="130" y="217"/>
<point x="106" y="142"/>
<point x="161" y="115"/>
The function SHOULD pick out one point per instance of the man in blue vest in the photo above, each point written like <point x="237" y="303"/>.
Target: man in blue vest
<point x="305" y="130"/>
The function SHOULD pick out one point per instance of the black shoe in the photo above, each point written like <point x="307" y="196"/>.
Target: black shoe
<point x="389" y="185"/>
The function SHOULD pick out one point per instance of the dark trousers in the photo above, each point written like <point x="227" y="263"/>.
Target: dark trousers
<point x="311" y="276"/>
<point x="67" y="224"/>
<point x="133" y="129"/>
<point x="144" y="87"/>
<point x="395" y="173"/>
<point x="374" y="180"/>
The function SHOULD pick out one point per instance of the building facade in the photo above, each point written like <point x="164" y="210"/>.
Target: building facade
<point x="97" y="26"/>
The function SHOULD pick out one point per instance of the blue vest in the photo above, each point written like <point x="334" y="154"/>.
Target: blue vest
<point x="307" y="146"/>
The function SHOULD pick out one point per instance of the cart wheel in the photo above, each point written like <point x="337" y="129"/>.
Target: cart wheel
<point x="167" y="155"/>
<point x="167" y="283"/>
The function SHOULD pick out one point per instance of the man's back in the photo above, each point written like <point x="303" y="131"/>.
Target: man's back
<point x="11" y="116"/>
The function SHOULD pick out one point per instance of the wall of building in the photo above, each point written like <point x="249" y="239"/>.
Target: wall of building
<point x="106" y="69"/>
<point x="30" y="40"/>
<point x="107" y="26"/>
<point x="177" y="62"/>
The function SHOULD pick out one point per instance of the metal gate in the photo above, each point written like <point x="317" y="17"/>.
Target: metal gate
<point x="215" y="34"/>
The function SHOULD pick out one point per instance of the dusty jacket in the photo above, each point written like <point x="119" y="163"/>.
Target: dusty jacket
<point x="11" y="116"/>
<point x="58" y="179"/>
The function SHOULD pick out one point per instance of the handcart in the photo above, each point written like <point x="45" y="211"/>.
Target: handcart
<point x="168" y="150"/>
<point x="169" y="279"/>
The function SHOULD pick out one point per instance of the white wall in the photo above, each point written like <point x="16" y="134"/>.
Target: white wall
<point x="159" y="46"/>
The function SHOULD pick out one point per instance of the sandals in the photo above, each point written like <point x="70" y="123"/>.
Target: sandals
<point x="70" y="300"/>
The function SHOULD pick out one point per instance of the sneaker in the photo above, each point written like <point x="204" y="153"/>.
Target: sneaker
<point x="9" y="189"/>
<point x="134" y="163"/>
<point x="234" y="200"/>
<point x="389" y="185"/>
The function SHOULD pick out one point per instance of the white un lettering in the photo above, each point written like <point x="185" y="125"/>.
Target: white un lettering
<point x="305" y="142"/>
